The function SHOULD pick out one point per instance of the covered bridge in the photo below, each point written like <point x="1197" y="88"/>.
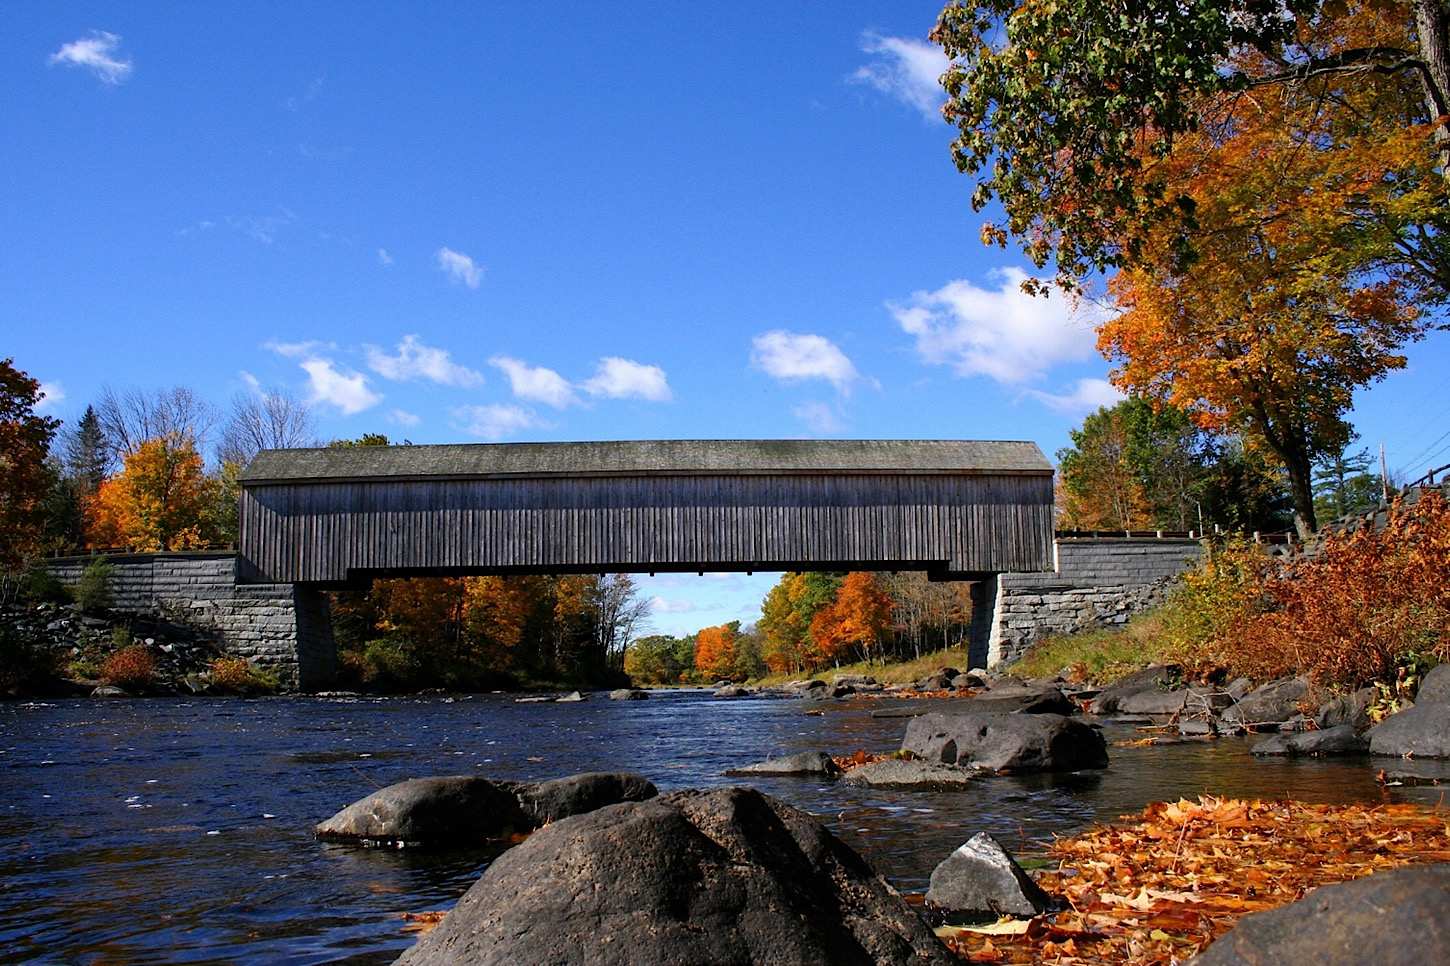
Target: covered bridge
<point x="342" y="516"/>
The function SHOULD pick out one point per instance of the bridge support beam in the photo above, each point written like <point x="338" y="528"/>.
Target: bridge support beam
<point x="316" y="650"/>
<point x="984" y="613"/>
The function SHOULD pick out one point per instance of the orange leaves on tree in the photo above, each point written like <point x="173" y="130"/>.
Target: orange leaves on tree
<point x="161" y="500"/>
<point x="715" y="650"/>
<point x="859" y="617"/>
<point x="24" y="478"/>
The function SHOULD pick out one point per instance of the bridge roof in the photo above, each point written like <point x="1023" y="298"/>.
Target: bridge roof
<point x="688" y="457"/>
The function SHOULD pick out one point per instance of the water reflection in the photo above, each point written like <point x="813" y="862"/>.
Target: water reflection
<point x="179" y="831"/>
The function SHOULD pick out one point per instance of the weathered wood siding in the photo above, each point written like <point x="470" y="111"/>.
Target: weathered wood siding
<point x="335" y="531"/>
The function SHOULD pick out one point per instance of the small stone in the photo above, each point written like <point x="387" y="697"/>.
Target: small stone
<point x="981" y="879"/>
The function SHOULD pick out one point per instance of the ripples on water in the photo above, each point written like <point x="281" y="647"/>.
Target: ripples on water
<point x="179" y="831"/>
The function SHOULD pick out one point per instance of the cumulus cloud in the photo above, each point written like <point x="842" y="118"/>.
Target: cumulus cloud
<point x="535" y="382"/>
<point x="339" y="386"/>
<point x="819" y="417"/>
<point x="907" y="69"/>
<point x="51" y="395"/>
<point x="295" y="350"/>
<point x="496" y="422"/>
<point x="661" y="605"/>
<point x="401" y="417"/>
<point x="415" y="360"/>
<point x="1089" y="395"/>
<point x="97" y="53"/>
<point x="791" y="358"/>
<point x="1003" y="332"/>
<point x="616" y="378"/>
<point x="459" y="267"/>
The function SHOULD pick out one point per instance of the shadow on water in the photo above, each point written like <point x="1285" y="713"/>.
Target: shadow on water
<point x="180" y="831"/>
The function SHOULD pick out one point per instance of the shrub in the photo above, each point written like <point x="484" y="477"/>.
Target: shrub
<point x="1204" y="620"/>
<point x="1368" y="607"/>
<point x="133" y="668"/>
<point x="238" y="674"/>
<point x="23" y="665"/>
<point x="392" y="662"/>
<point x="42" y="587"/>
<point x="94" y="591"/>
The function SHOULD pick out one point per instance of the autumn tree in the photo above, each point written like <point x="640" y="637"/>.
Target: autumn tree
<point x="161" y="500"/>
<point x="926" y="614"/>
<point x="660" y="659"/>
<point x="24" y="476"/>
<point x="859" y="619"/>
<point x="786" y="616"/>
<point x="715" y="651"/>
<point x="1068" y="114"/>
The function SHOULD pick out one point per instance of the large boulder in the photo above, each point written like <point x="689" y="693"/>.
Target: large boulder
<point x="1435" y="686"/>
<point x="1339" y="740"/>
<point x="1276" y="701"/>
<point x="1346" y="709"/>
<point x="1422" y="731"/>
<point x="981" y="879"/>
<point x="1400" y="917"/>
<point x="726" y="877"/>
<point x="550" y="801"/>
<point x="465" y="810"/>
<point x="1152" y="701"/>
<point x="1020" y="742"/>
<point x="629" y="694"/>
<point x="816" y="763"/>
<point x="912" y="774"/>
<point x="1155" y="677"/>
<point x="442" y="811"/>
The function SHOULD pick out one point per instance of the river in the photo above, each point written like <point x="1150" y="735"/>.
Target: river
<point x="179" y="831"/>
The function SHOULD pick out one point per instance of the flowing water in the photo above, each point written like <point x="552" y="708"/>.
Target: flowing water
<point x="179" y="831"/>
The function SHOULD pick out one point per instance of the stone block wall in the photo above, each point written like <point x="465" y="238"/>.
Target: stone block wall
<point x="285" y="628"/>
<point x="1098" y="581"/>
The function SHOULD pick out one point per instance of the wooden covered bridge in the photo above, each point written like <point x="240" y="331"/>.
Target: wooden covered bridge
<point x="341" y="517"/>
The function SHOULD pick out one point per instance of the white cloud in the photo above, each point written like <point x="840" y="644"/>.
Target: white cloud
<point x="616" y="378"/>
<point x="1003" y="333"/>
<point x="51" y="395"/>
<point x="399" y="417"/>
<point x="790" y="358"/>
<point x="339" y="386"/>
<point x="819" y="417"/>
<point x="497" y="422"/>
<point x="295" y="350"/>
<point x="95" y="52"/>
<point x="1089" y="395"/>
<point x="660" y="605"/>
<point x="459" y="267"/>
<point x="535" y="382"/>
<point x="415" y="360"/>
<point x="908" y="69"/>
<point x="384" y="258"/>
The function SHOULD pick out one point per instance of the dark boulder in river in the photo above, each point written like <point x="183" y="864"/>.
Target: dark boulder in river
<point x="1400" y="917"/>
<point x="466" y="810"/>
<point x="1421" y="731"/>
<point x="816" y="763"/>
<point x="1019" y="742"/>
<point x="726" y="877"/>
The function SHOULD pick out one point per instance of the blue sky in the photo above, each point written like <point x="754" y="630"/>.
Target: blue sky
<point x="455" y="222"/>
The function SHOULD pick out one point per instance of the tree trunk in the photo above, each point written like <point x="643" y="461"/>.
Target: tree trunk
<point x="1432" y="27"/>
<point x="1301" y="491"/>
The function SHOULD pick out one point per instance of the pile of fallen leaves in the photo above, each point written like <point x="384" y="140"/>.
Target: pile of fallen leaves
<point x="1161" y="889"/>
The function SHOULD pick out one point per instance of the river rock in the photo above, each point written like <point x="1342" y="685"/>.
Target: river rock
<point x="467" y="810"/>
<point x="857" y="681"/>
<point x="549" y="801"/>
<point x="1153" y="701"/>
<point x="1350" y="709"/>
<point x="1155" y="677"/>
<point x="572" y="697"/>
<point x="732" y="691"/>
<point x="1020" y="742"/>
<point x="938" y="681"/>
<point x="803" y="685"/>
<point x="110" y="691"/>
<point x="443" y="811"/>
<point x="727" y="876"/>
<point x="806" y="763"/>
<point x="1023" y="699"/>
<point x="1422" y="731"/>
<point x="1340" y="740"/>
<point x="629" y="694"/>
<point x="910" y="773"/>
<point x="1435" y="686"/>
<point x="1399" y="917"/>
<point x="981" y="879"/>
<point x="1275" y="701"/>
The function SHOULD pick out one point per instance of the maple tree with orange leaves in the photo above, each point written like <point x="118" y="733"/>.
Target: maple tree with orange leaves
<point x="161" y="500"/>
